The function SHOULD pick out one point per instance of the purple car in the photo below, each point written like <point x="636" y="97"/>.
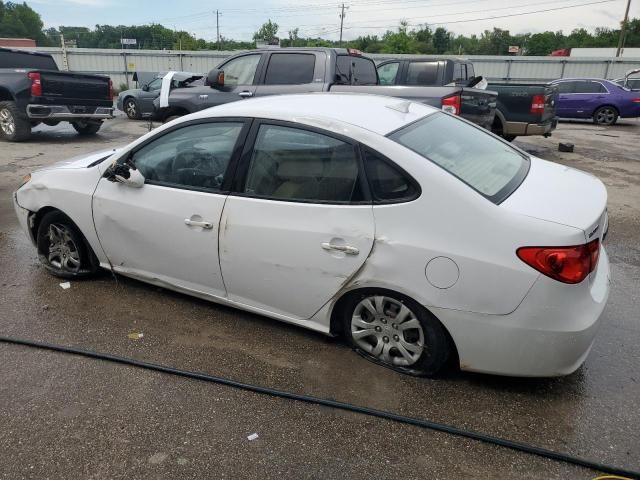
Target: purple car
<point x="602" y="100"/>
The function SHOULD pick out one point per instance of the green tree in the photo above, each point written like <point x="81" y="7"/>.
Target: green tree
<point x="441" y="40"/>
<point x="18" y="20"/>
<point x="267" y="32"/>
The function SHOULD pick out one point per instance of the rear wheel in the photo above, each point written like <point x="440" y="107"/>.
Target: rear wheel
<point x="87" y="127"/>
<point x="605" y="116"/>
<point x="62" y="249"/>
<point x="171" y="118"/>
<point x="131" y="109"/>
<point x="13" y="126"/>
<point x="397" y="332"/>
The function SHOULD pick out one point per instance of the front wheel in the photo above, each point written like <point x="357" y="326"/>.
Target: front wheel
<point x="397" y="332"/>
<point x="605" y="116"/>
<point x="87" y="127"/>
<point x="62" y="248"/>
<point x="131" y="109"/>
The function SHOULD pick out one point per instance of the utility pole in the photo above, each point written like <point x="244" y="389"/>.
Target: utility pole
<point x="218" y="28"/>
<point x="623" y="29"/>
<point x="342" y="21"/>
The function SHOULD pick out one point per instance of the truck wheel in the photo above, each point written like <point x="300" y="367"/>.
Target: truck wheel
<point x="13" y="126"/>
<point x="509" y="138"/>
<point x="131" y="108"/>
<point x="86" y="128"/>
<point x="605" y="116"/>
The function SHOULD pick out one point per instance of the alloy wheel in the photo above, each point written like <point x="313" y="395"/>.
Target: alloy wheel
<point x="605" y="116"/>
<point x="7" y="122"/>
<point x="388" y="330"/>
<point x="130" y="108"/>
<point x="63" y="251"/>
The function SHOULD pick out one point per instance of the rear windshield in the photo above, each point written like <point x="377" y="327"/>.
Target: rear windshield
<point x="486" y="164"/>
<point x="9" y="59"/>
<point x="352" y="70"/>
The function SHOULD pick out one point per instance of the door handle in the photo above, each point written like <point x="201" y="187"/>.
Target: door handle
<point x="193" y="223"/>
<point x="349" y="250"/>
<point x="246" y="94"/>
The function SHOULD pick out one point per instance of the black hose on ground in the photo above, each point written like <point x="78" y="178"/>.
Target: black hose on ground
<point x="440" y="427"/>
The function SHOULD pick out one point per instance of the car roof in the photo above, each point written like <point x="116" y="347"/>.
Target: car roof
<point x="587" y="79"/>
<point x="330" y="111"/>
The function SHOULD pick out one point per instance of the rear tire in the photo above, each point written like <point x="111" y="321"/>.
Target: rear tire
<point x="395" y="331"/>
<point x="87" y="127"/>
<point x="509" y="138"/>
<point x="605" y="116"/>
<point x="171" y="118"/>
<point x="13" y="126"/>
<point x="62" y="249"/>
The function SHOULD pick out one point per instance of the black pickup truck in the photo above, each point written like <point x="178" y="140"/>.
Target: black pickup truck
<point x="522" y="109"/>
<point x="33" y="91"/>
<point x="301" y="70"/>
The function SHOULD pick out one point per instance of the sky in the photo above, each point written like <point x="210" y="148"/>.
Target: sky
<point x="239" y="19"/>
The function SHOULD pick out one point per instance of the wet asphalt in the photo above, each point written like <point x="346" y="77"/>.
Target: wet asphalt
<point x="62" y="416"/>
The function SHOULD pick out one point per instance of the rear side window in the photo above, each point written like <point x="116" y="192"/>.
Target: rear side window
<point x="387" y="182"/>
<point x="422" y="73"/>
<point x="589" y="87"/>
<point x="486" y="164"/>
<point x="300" y="165"/>
<point x="26" y="60"/>
<point x="387" y="73"/>
<point x="459" y="72"/>
<point x="355" y="70"/>
<point x="290" y="69"/>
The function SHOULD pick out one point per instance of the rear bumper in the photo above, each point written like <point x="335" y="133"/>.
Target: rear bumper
<point x="64" y="112"/>
<point x="524" y="128"/>
<point x="549" y="334"/>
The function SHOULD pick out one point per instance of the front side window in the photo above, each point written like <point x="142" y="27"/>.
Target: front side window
<point x="241" y="70"/>
<point x="155" y="84"/>
<point x="192" y="156"/>
<point x="300" y="165"/>
<point x="422" y="73"/>
<point x="486" y="164"/>
<point x="290" y="69"/>
<point x="567" y="87"/>
<point x="387" y="73"/>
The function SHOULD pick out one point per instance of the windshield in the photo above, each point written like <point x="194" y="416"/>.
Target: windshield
<point x="488" y="165"/>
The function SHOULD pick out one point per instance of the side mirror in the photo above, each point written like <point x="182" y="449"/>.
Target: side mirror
<point x="145" y="87"/>
<point x="125" y="173"/>
<point x="215" y="79"/>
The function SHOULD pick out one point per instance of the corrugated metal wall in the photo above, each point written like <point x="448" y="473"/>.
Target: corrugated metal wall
<point x="120" y="64"/>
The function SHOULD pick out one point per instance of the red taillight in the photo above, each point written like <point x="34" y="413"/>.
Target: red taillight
<point x="537" y="104"/>
<point x="565" y="264"/>
<point x="636" y="100"/>
<point x="110" y="89"/>
<point x="451" y="104"/>
<point x="36" y="84"/>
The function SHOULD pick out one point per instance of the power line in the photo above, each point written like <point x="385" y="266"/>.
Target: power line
<point x="493" y="17"/>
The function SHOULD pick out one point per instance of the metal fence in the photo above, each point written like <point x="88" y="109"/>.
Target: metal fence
<point x="121" y="64"/>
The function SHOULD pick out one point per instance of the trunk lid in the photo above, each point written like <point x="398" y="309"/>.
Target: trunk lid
<point x="563" y="195"/>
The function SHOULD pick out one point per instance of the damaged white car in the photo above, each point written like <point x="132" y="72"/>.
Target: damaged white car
<point x="420" y="238"/>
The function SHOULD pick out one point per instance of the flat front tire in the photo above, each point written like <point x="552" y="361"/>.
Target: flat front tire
<point x="395" y="331"/>
<point x="62" y="249"/>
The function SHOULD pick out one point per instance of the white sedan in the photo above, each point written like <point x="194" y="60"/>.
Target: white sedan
<point x="418" y="237"/>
